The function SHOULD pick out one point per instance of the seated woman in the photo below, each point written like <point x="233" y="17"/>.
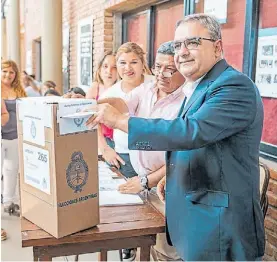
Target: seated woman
<point x="133" y="71"/>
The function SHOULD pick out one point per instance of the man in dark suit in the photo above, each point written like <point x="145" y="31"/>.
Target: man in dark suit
<point x="212" y="183"/>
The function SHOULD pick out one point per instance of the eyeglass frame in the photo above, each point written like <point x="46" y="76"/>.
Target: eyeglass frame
<point x="154" y="71"/>
<point x="197" y="38"/>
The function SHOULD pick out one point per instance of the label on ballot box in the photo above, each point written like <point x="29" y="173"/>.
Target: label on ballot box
<point x="36" y="167"/>
<point x="33" y="124"/>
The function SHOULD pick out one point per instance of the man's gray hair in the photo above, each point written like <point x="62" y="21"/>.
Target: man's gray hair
<point x="207" y="21"/>
<point x="166" y="48"/>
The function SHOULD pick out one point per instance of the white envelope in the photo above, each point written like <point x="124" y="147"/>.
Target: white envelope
<point x="79" y="114"/>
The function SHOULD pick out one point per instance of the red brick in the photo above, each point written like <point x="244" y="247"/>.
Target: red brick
<point x="272" y="186"/>
<point x="269" y="249"/>
<point x="273" y="174"/>
<point x="272" y="212"/>
<point x="267" y="258"/>
<point x="272" y="199"/>
<point x="271" y="238"/>
<point x="271" y="224"/>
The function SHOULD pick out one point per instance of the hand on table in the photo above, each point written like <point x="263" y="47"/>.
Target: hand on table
<point x="132" y="186"/>
<point x="112" y="157"/>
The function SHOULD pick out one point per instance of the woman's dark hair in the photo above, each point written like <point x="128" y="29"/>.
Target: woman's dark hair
<point x="77" y="90"/>
<point x="52" y="92"/>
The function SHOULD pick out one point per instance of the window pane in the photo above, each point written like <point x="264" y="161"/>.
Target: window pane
<point x="232" y="31"/>
<point x="266" y="74"/>
<point x="137" y="29"/>
<point x="166" y="17"/>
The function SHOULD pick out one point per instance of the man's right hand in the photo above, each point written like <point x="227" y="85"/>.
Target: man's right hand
<point x="161" y="189"/>
<point x="112" y="157"/>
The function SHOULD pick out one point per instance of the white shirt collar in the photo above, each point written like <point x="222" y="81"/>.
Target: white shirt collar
<point x="188" y="88"/>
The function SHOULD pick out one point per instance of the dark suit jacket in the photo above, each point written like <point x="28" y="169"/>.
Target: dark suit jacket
<point x="212" y="193"/>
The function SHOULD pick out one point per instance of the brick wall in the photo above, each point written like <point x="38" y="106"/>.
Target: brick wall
<point x="271" y="217"/>
<point x="74" y="11"/>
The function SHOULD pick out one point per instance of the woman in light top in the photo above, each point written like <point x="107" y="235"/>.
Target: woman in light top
<point x="105" y="77"/>
<point x="11" y="90"/>
<point x="133" y="71"/>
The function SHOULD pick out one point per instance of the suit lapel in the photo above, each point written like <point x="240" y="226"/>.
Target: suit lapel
<point x="182" y="107"/>
<point x="211" y="76"/>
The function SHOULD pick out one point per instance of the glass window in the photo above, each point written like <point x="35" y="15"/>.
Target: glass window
<point x="137" y="29"/>
<point x="166" y="17"/>
<point x="266" y="69"/>
<point x="232" y="31"/>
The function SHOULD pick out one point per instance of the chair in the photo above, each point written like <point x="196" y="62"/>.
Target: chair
<point x="264" y="182"/>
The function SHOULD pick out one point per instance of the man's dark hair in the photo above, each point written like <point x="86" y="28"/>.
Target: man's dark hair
<point x="52" y="92"/>
<point x="77" y="90"/>
<point x="166" y="48"/>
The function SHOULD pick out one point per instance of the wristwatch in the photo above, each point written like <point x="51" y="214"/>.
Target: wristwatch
<point x="144" y="182"/>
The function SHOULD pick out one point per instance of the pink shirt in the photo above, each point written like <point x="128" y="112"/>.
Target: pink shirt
<point x="142" y="102"/>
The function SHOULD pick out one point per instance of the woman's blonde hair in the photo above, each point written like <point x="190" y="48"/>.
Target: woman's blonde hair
<point x="16" y="84"/>
<point x="134" y="48"/>
<point x="97" y="75"/>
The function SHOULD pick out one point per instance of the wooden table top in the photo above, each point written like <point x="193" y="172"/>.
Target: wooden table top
<point x="115" y="222"/>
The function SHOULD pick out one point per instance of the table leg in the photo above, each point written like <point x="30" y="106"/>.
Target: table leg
<point x="145" y="253"/>
<point x="35" y="254"/>
<point x="103" y="255"/>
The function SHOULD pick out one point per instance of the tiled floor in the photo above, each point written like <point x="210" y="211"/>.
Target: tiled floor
<point x="11" y="249"/>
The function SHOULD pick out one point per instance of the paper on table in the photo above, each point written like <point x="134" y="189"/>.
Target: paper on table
<point x="114" y="198"/>
<point x="108" y="193"/>
<point x="79" y="114"/>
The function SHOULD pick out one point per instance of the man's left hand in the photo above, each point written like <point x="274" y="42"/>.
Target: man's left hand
<point x="105" y="114"/>
<point x="132" y="186"/>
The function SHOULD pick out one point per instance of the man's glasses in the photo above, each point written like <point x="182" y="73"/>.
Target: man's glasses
<point x="168" y="72"/>
<point x="190" y="43"/>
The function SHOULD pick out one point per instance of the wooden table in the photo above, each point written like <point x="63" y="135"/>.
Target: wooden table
<point x="120" y="227"/>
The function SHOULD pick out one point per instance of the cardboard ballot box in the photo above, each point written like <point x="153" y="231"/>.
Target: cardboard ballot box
<point x="58" y="165"/>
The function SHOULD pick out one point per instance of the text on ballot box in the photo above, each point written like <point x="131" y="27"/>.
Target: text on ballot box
<point x="36" y="167"/>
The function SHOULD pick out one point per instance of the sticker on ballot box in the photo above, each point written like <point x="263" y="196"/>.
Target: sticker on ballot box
<point x="33" y="124"/>
<point x="74" y="124"/>
<point x="36" y="167"/>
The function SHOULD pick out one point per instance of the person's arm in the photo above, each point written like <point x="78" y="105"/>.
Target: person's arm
<point x="92" y="92"/>
<point x="33" y="84"/>
<point x="229" y="108"/>
<point x="130" y="102"/>
<point x="4" y="113"/>
<point x="108" y="153"/>
<point x="117" y="103"/>
<point x="133" y="186"/>
<point x="155" y="177"/>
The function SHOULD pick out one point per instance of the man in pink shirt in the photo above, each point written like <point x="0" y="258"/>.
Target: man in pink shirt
<point x="161" y="98"/>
